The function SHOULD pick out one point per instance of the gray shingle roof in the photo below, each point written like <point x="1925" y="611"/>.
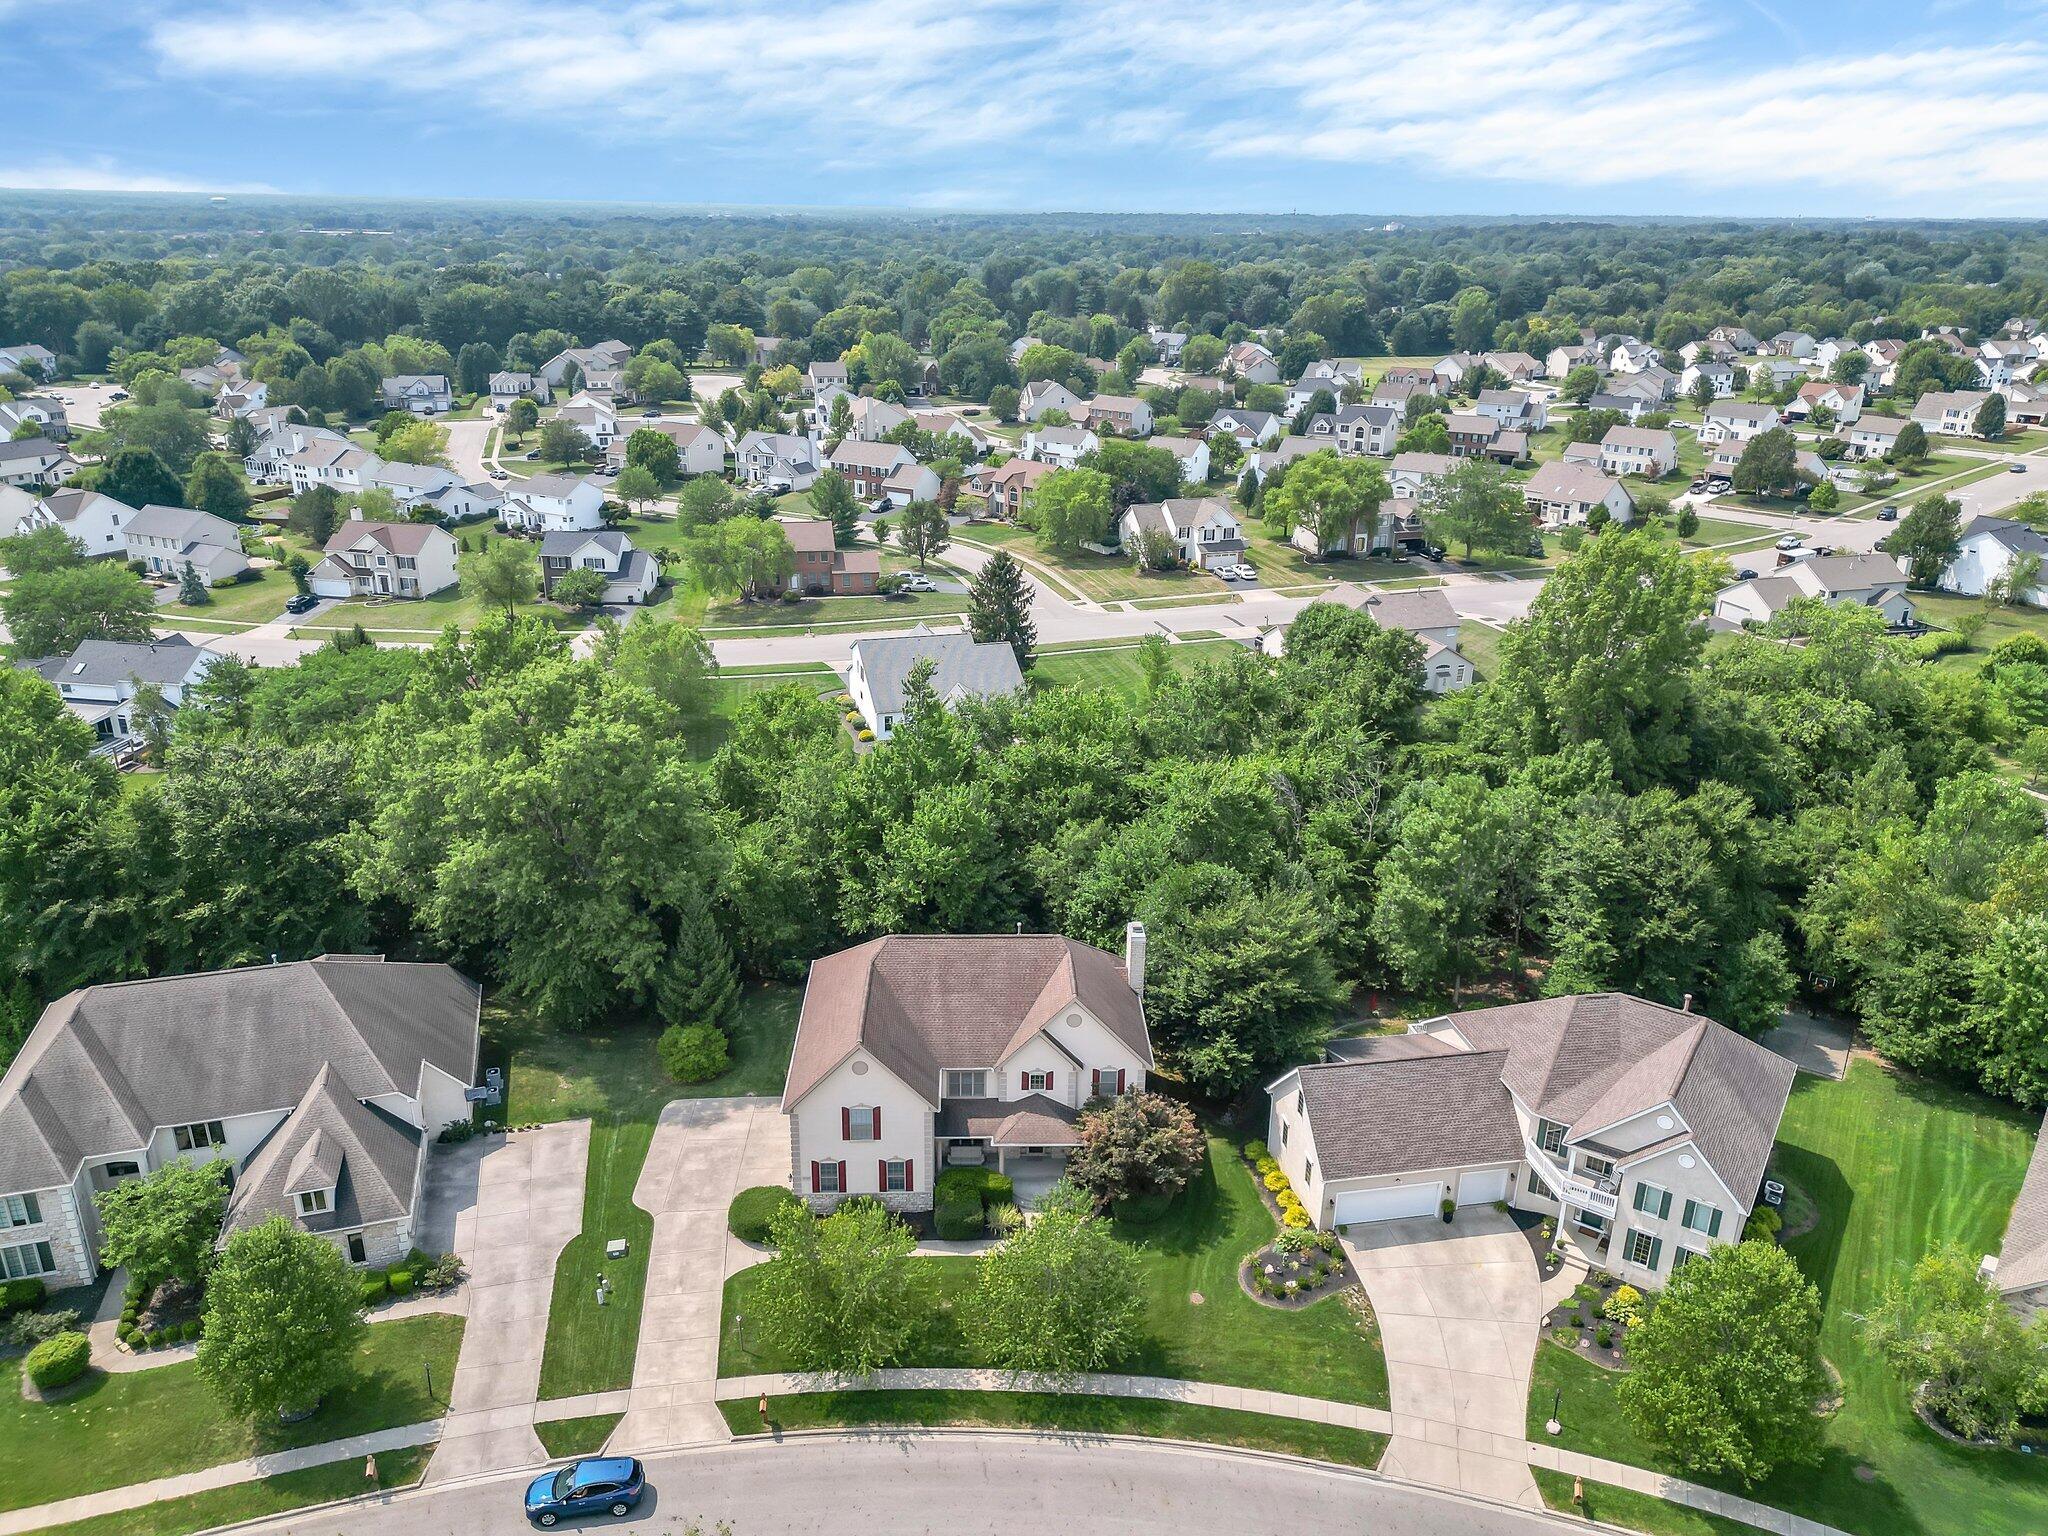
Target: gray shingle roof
<point x="103" y="663"/>
<point x="1031" y="1121"/>
<point x="2023" y="538"/>
<point x="105" y="1066"/>
<point x="962" y="667"/>
<point x="1405" y="1114"/>
<point x="329" y="1141"/>
<point x="924" y="1002"/>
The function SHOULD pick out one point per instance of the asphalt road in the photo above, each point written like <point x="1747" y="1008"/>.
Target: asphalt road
<point x="885" y="1483"/>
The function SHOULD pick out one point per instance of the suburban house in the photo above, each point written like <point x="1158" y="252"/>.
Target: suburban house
<point x="240" y="399"/>
<point x="1643" y="1131"/>
<point x="1737" y="337"/>
<point x="1359" y="430"/>
<point x="320" y="1083"/>
<point x="1884" y="354"/>
<point x="1562" y="495"/>
<point x="1203" y="528"/>
<point x="593" y="415"/>
<point x="962" y="668"/>
<point x="1872" y="437"/>
<point x="1829" y="350"/>
<point x="1397" y="393"/>
<point x="1411" y="474"/>
<point x="1843" y="581"/>
<point x="2003" y="359"/>
<point x="424" y="394"/>
<point x="35" y="461"/>
<point x="332" y="461"/>
<point x="1125" y="415"/>
<point x="1792" y="344"/>
<point x="823" y="376"/>
<point x="915" y="1051"/>
<point x="1168" y="344"/>
<point x="1049" y="395"/>
<point x="823" y="568"/>
<point x="1008" y="485"/>
<point x="1252" y="429"/>
<point x="1653" y="384"/>
<point x="764" y="458"/>
<point x="630" y="575"/>
<point x="93" y="521"/>
<point x="1449" y="372"/>
<point x="1631" y="355"/>
<point x="553" y="504"/>
<point x="1631" y="406"/>
<point x="1192" y="453"/>
<point x="1425" y="613"/>
<point x="1061" y="447"/>
<point x="1736" y="421"/>
<point x="1559" y="361"/>
<point x="975" y="440"/>
<point x="458" y="502"/>
<point x="2020" y="1267"/>
<point x="1481" y="437"/>
<point x="1650" y="452"/>
<point x="1843" y="401"/>
<point x="867" y="466"/>
<point x="1989" y="547"/>
<point x="1512" y="408"/>
<point x="1515" y="367"/>
<point x="279" y="441"/>
<point x="167" y="539"/>
<point x="1720" y="375"/>
<point x="368" y="558"/>
<point x="1951" y="412"/>
<point x="1288" y="449"/>
<point x="699" y="450"/>
<point x="912" y="482"/>
<point x="870" y="420"/>
<point x="45" y="412"/>
<point x="38" y="362"/>
<point x="605" y="357"/>
<point x="1251" y="362"/>
<point x="507" y="387"/>
<point x="98" y="681"/>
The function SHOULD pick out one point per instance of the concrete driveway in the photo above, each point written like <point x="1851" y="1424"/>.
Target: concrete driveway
<point x="1459" y="1307"/>
<point x="508" y="1205"/>
<point x="704" y="1152"/>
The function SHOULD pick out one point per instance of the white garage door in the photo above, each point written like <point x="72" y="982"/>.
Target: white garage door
<point x="1363" y="1205"/>
<point x="1483" y="1188"/>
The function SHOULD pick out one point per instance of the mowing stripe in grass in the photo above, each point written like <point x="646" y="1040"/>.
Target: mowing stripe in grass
<point x="590" y="1348"/>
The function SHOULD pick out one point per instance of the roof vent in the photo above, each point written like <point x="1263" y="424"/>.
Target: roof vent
<point x="1686" y="1005"/>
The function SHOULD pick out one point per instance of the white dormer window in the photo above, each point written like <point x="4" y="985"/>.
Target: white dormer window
<point x="312" y="1202"/>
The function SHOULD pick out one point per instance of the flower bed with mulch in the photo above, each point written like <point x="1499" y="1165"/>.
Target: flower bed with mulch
<point x="1581" y="1324"/>
<point x="1293" y="1280"/>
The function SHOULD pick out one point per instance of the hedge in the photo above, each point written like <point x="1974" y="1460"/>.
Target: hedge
<point x="374" y="1288"/>
<point x="60" y="1361"/>
<point x="400" y="1281"/>
<point x="752" y="1210"/>
<point x="21" y="1296"/>
<point x="962" y="1197"/>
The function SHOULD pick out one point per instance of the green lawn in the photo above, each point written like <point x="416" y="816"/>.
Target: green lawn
<point x="577" y="1437"/>
<point x="1944" y="610"/>
<point x="1897" y="1165"/>
<point x="1480" y="645"/>
<point x="728" y="693"/>
<point x="1116" y="668"/>
<point x="1105" y="578"/>
<point x="430" y="614"/>
<point x="1635" y="1511"/>
<point x="251" y="1501"/>
<point x="1054" y="1410"/>
<point x="140" y="1425"/>
<point x="610" y="1074"/>
<point x="1721" y="530"/>
<point x="251" y="602"/>
<point x="1197" y="1323"/>
<point x="905" y="610"/>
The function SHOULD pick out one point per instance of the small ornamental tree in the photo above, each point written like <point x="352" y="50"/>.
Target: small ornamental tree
<point x="1136" y="1144"/>
<point x="521" y="417"/>
<point x="837" y="1295"/>
<point x="580" y="588"/>
<point x="283" y="1317"/>
<point x="999" y="606"/>
<point x="1725" y="1371"/>
<point x="1060" y="1295"/>
<point x="1953" y="1340"/>
<point x="162" y="1226"/>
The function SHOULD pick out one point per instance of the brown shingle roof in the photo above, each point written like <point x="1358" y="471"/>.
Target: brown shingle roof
<point x="921" y="1003"/>
<point x="1410" y="1113"/>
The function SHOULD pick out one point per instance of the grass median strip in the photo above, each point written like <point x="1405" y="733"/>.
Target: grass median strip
<point x="1071" y="1413"/>
<point x="577" y="1437"/>
<point x="251" y="1501"/>
<point x="1632" y="1510"/>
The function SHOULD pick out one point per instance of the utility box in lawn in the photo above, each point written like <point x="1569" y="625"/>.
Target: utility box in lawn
<point x="615" y="1249"/>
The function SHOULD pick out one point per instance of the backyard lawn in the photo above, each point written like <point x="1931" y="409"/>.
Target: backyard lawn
<point x="1105" y="578"/>
<point x="1897" y="1165"/>
<point x="251" y="1501"/>
<point x="1197" y="1323"/>
<point x="1116" y="668"/>
<point x="249" y="602"/>
<point x="139" y="1425"/>
<point x="729" y="692"/>
<point x="906" y="610"/>
<point x="1944" y="610"/>
<point x="611" y="1074"/>
<point x="1062" y="1411"/>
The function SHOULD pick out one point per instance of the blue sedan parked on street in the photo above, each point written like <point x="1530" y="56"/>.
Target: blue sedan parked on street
<point x="596" y="1485"/>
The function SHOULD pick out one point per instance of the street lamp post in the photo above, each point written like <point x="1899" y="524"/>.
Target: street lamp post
<point x="1556" y="1425"/>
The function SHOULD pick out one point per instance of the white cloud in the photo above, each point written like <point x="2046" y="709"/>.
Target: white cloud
<point x="102" y="174"/>
<point x="1683" y="94"/>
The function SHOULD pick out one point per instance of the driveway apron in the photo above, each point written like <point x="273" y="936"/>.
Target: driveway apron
<point x="1459" y="1307"/>
<point x="704" y="1152"/>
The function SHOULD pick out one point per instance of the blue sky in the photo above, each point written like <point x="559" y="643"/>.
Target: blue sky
<point x="1741" y="107"/>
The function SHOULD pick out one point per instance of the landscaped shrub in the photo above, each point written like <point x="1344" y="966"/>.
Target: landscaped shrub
<point x="21" y="1296"/>
<point x="60" y="1361"/>
<point x="400" y="1281"/>
<point x="1294" y="1218"/>
<point x="694" y="1053"/>
<point x="1267" y="1165"/>
<point x="1604" y="1336"/>
<point x="28" y="1329"/>
<point x="1256" y="1152"/>
<point x="130" y="1335"/>
<point x="752" y="1210"/>
<point x="1625" y="1306"/>
<point x="456" y="1131"/>
<point x="440" y="1272"/>
<point x="1765" y="1223"/>
<point x="866" y="734"/>
<point x="957" y="1213"/>
<point x="1276" y="1181"/>
<point x="189" y="1332"/>
<point x="374" y="1289"/>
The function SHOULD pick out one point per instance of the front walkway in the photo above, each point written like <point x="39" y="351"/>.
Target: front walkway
<point x="704" y="1152"/>
<point x="1459" y="1308"/>
<point x="508" y="1205"/>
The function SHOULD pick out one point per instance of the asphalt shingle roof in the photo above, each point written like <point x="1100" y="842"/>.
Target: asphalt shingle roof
<point x="1404" y="1114"/>
<point x="962" y="667"/>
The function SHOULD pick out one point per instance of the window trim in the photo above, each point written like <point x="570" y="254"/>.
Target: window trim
<point x="28" y="1205"/>
<point x="862" y="1122"/>
<point x="15" y="1259"/>
<point x="314" y="1202"/>
<point x="1544" y="1130"/>
<point x="1654" y="1252"/>
<point x="979" y="1074"/>
<point x="1712" y="1213"/>
<point x="199" y="1136"/>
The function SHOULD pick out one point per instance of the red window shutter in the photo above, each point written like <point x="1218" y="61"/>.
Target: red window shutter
<point x="814" y="1178"/>
<point x="845" y="1123"/>
<point x="1119" y="1079"/>
<point x="1024" y="1081"/>
<point x="909" y="1175"/>
<point x="877" y="1122"/>
<point x="842" y="1178"/>
<point x="882" y="1173"/>
<point x="1095" y="1084"/>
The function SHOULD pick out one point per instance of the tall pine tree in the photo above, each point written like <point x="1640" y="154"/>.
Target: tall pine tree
<point x="999" y="606"/>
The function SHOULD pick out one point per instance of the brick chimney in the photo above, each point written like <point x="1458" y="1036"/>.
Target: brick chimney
<point x="1134" y="956"/>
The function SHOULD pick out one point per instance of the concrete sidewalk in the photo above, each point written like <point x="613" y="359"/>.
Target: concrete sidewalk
<point x="137" y="1495"/>
<point x="1674" y="1490"/>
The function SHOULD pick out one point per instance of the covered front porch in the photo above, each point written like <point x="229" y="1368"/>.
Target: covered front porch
<point x="1028" y="1139"/>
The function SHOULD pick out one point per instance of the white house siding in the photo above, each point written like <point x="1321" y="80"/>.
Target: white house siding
<point x="1086" y="1038"/>
<point x="1667" y="1171"/>
<point x="907" y="1120"/>
<point x="1981" y="561"/>
<point x="244" y="1134"/>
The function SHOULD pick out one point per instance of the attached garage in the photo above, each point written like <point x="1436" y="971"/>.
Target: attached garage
<point x="1483" y="1187"/>
<point x="1359" y="1206"/>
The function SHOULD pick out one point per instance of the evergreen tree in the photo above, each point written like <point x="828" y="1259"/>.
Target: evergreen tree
<point x="999" y="606"/>
<point x="191" y="590"/>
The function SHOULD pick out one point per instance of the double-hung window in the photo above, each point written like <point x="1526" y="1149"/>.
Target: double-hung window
<point x="20" y="1211"/>
<point x="1700" y="1217"/>
<point x="1652" y="1201"/>
<point x="1108" y="1082"/>
<point x="199" y="1136"/>
<point x="895" y="1175"/>
<point x="1645" y="1250"/>
<point x="861" y="1122"/>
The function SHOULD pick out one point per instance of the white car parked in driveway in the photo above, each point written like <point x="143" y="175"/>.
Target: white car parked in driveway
<point x="916" y="581"/>
<point x="1238" y="572"/>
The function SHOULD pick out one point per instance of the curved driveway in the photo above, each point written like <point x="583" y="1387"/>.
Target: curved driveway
<point x="886" y="1482"/>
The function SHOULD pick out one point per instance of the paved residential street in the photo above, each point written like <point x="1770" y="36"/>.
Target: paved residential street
<point x="885" y="1482"/>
